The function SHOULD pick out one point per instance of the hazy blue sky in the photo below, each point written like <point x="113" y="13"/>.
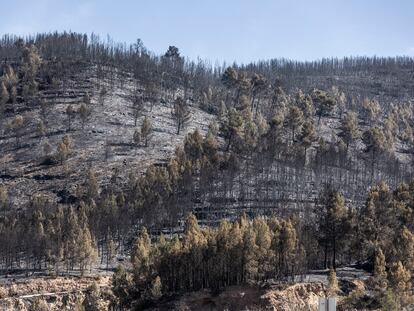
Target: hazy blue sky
<point x="230" y="30"/>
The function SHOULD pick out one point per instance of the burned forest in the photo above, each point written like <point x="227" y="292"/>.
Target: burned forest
<point x="174" y="176"/>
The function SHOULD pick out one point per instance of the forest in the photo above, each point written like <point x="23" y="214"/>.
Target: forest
<point x="293" y="171"/>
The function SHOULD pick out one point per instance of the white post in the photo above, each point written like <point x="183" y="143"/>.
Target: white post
<point x="331" y="304"/>
<point x="323" y="306"/>
<point x="327" y="304"/>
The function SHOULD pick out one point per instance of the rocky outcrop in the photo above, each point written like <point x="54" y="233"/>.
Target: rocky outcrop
<point x="297" y="297"/>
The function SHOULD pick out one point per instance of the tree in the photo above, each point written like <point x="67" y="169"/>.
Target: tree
<point x="140" y="256"/>
<point x="62" y="152"/>
<point x="379" y="277"/>
<point x="121" y="286"/>
<point x="232" y="126"/>
<point x="47" y="148"/>
<point x="331" y="219"/>
<point x="263" y="243"/>
<point x="102" y="94"/>
<point x="222" y="111"/>
<point x="370" y="110"/>
<point x="399" y="279"/>
<point x="84" y="113"/>
<point x="30" y="67"/>
<point x="377" y="220"/>
<point x="4" y="200"/>
<point x="403" y="249"/>
<point x="258" y="84"/>
<point x="210" y="147"/>
<point x="349" y="129"/>
<point x="324" y="103"/>
<point x="156" y="288"/>
<point x="294" y="119"/>
<point x="374" y="141"/>
<point x="193" y="146"/>
<point x="172" y="52"/>
<point x="174" y="60"/>
<point x="64" y="149"/>
<point x="91" y="185"/>
<point x="110" y="251"/>
<point x="249" y="259"/>
<point x="10" y="81"/>
<point x="137" y="105"/>
<point x="250" y="132"/>
<point x="287" y="244"/>
<point x="340" y="99"/>
<point x="17" y="126"/>
<point x="146" y="130"/>
<point x="137" y="137"/>
<point x="308" y="135"/>
<point x="230" y="79"/>
<point x="305" y="103"/>
<point x="86" y="252"/>
<point x="91" y="301"/>
<point x="41" y="129"/>
<point x="4" y="95"/>
<point x="390" y="302"/>
<point x="333" y="287"/>
<point x="180" y="113"/>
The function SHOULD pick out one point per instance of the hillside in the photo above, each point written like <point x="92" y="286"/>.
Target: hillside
<point x="188" y="181"/>
<point x="105" y="143"/>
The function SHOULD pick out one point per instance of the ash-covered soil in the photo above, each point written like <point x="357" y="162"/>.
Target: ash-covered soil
<point x="105" y="143"/>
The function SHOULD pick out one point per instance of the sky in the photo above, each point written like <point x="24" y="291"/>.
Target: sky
<point x="229" y="30"/>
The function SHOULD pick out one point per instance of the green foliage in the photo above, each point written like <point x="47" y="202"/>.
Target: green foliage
<point x="64" y="149"/>
<point x="181" y="113"/>
<point x="84" y="113"/>
<point x="256" y="120"/>
<point x="121" y="286"/>
<point x="232" y="127"/>
<point x="4" y="95"/>
<point x="370" y="110"/>
<point x="230" y="77"/>
<point x="379" y="277"/>
<point x="332" y="223"/>
<point x="308" y="135"/>
<point x="324" y="102"/>
<point x="91" y="185"/>
<point x="349" y="129"/>
<point x="399" y="278"/>
<point x="234" y="253"/>
<point x="193" y="145"/>
<point x="294" y="120"/>
<point x="374" y="140"/>
<point x="390" y="302"/>
<point x="305" y="103"/>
